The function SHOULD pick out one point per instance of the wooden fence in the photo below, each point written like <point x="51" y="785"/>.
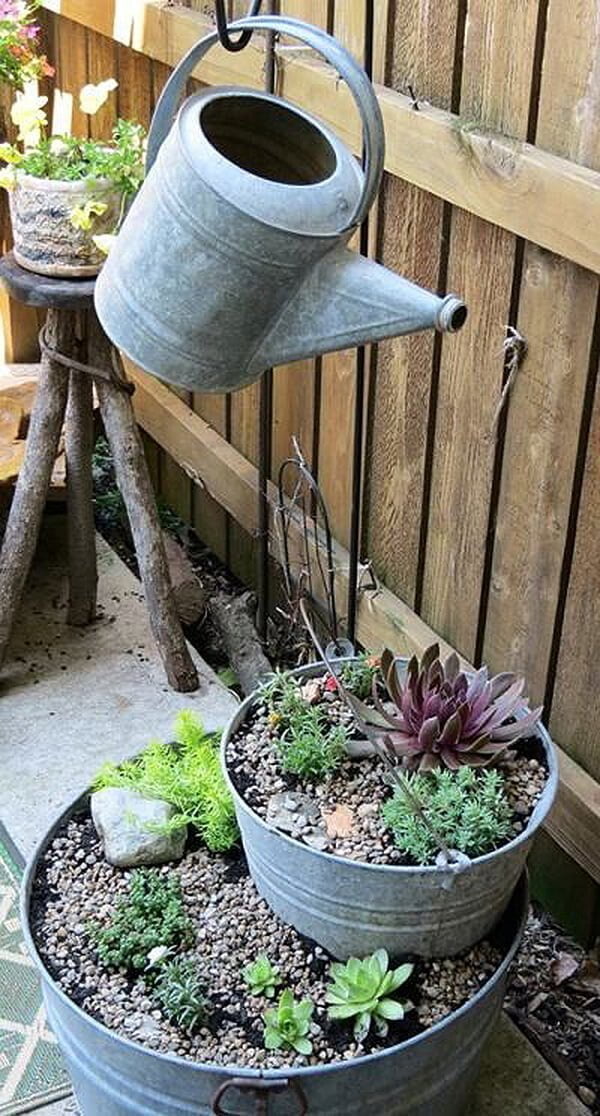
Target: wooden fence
<point x="481" y="520"/>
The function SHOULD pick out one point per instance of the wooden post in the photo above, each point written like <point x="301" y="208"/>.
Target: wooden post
<point x="134" y="482"/>
<point x="25" y="516"/>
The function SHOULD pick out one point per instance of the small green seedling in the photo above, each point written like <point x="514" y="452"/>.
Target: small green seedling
<point x="179" y="992"/>
<point x="262" y="977"/>
<point x="288" y="1024"/>
<point x="363" y="989"/>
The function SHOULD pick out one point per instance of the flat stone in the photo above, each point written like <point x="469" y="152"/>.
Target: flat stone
<point x="292" y="811"/>
<point x="128" y="824"/>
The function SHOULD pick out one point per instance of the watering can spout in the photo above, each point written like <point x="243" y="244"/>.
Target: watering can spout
<point x="347" y="300"/>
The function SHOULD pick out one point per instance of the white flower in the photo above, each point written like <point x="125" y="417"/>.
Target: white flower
<point x="104" y="242"/>
<point x="27" y="113"/>
<point x="8" y="179"/>
<point x="92" y="97"/>
<point x="58" y="146"/>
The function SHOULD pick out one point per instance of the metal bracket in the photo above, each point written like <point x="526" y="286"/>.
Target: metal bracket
<point x="224" y="36"/>
<point x="263" y="1088"/>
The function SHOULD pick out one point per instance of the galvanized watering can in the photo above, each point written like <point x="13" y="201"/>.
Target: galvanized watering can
<point x="233" y="256"/>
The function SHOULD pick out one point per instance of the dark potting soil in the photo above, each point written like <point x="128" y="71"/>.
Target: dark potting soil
<point x="75" y="886"/>
<point x="358" y="787"/>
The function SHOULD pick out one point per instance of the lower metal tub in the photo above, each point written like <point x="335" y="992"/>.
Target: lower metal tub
<point x="430" y="1075"/>
<point x="353" y="908"/>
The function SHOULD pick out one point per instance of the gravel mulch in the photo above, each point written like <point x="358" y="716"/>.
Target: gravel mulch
<point x="357" y="786"/>
<point x="76" y="886"/>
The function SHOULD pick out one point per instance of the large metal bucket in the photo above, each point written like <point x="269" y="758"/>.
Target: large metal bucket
<point x="430" y="1075"/>
<point x="353" y="908"/>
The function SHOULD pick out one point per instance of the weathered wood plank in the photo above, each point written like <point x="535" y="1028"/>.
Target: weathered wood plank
<point x="481" y="263"/>
<point x="383" y="619"/>
<point x="556" y="316"/>
<point x="421" y="54"/>
<point x="525" y="189"/>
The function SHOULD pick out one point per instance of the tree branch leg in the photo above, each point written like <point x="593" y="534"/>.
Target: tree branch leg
<point x="25" y="518"/>
<point x="136" y="488"/>
<point x="79" y="443"/>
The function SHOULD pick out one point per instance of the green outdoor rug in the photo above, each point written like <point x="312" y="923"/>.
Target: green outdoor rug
<point x="31" y="1070"/>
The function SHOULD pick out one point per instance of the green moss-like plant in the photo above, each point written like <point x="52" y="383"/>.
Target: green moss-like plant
<point x="151" y="915"/>
<point x="187" y="774"/>
<point x="467" y="809"/>
<point x="306" y="743"/>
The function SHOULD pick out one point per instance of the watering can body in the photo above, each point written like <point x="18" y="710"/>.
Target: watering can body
<point x="233" y="256"/>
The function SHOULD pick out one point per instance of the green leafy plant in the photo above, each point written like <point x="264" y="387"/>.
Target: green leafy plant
<point x="288" y="1024"/>
<point x="357" y="676"/>
<point x="151" y="915"/>
<point x="262" y="977"/>
<point x="363" y="990"/>
<point x="438" y="717"/>
<point x="468" y="810"/>
<point x="307" y="744"/>
<point x="179" y="993"/>
<point x="187" y="774"/>
<point x="19" y="36"/>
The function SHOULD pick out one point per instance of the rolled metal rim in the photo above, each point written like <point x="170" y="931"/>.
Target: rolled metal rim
<point x="304" y="1072"/>
<point x="540" y="811"/>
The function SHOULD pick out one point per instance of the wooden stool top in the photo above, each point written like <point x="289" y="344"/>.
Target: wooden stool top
<point x="45" y="290"/>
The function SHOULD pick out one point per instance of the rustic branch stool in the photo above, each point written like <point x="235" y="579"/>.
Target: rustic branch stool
<point x="65" y="393"/>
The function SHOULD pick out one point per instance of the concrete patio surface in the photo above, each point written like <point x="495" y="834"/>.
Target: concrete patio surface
<point x="71" y="698"/>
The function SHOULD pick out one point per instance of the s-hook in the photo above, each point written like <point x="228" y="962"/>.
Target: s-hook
<point x="224" y="36"/>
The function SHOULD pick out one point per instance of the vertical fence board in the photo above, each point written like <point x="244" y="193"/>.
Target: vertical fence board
<point x="481" y="268"/>
<point x="576" y="706"/>
<point x="556" y="315"/>
<point x="420" y="55"/>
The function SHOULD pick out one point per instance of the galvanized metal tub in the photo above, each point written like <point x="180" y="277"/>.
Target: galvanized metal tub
<point x="352" y="908"/>
<point x="430" y="1075"/>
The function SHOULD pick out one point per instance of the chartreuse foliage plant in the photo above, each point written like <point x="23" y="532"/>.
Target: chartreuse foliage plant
<point x="308" y="745"/>
<point x="180" y="993"/>
<point x="186" y="773"/>
<point x="364" y="991"/>
<point x="467" y="810"/>
<point x="262" y="977"/>
<point x="150" y="916"/>
<point x="288" y="1024"/>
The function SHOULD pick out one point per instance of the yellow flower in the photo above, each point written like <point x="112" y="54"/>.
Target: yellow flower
<point x="8" y="179"/>
<point x="27" y="113"/>
<point x="105" y="242"/>
<point x="92" y="97"/>
<point x="9" y="154"/>
<point x="82" y="216"/>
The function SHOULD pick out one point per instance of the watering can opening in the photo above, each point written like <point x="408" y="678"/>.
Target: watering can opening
<point x="268" y="139"/>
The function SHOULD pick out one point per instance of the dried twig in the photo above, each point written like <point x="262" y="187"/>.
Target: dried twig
<point x="514" y="348"/>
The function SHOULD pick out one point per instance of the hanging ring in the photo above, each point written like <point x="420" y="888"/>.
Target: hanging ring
<point x="224" y="36"/>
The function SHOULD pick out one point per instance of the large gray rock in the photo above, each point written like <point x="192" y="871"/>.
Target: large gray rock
<point x="126" y="821"/>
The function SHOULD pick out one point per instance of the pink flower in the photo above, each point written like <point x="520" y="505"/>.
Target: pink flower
<point x="29" y="31"/>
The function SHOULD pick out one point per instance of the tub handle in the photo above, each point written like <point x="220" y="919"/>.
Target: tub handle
<point x="263" y="1088"/>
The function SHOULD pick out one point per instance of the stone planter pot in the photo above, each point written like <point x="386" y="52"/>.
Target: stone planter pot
<point x="428" y="1075"/>
<point x="352" y="908"/>
<point x="45" y="240"/>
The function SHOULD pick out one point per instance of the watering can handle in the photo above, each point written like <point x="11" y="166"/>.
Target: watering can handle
<point x="332" y="51"/>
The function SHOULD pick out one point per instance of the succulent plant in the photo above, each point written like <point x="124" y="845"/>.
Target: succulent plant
<point x="179" y="991"/>
<point x="363" y="989"/>
<point x="440" y="717"/>
<point x="288" y="1024"/>
<point x="262" y="977"/>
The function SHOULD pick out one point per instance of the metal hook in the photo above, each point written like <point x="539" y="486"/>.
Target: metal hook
<point x="224" y="36"/>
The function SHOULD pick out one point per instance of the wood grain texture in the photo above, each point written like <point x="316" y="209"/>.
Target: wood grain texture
<point x="522" y="188"/>
<point x="556" y="316"/>
<point x="421" y="54"/>
<point x="480" y="267"/>
<point x="383" y="618"/>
